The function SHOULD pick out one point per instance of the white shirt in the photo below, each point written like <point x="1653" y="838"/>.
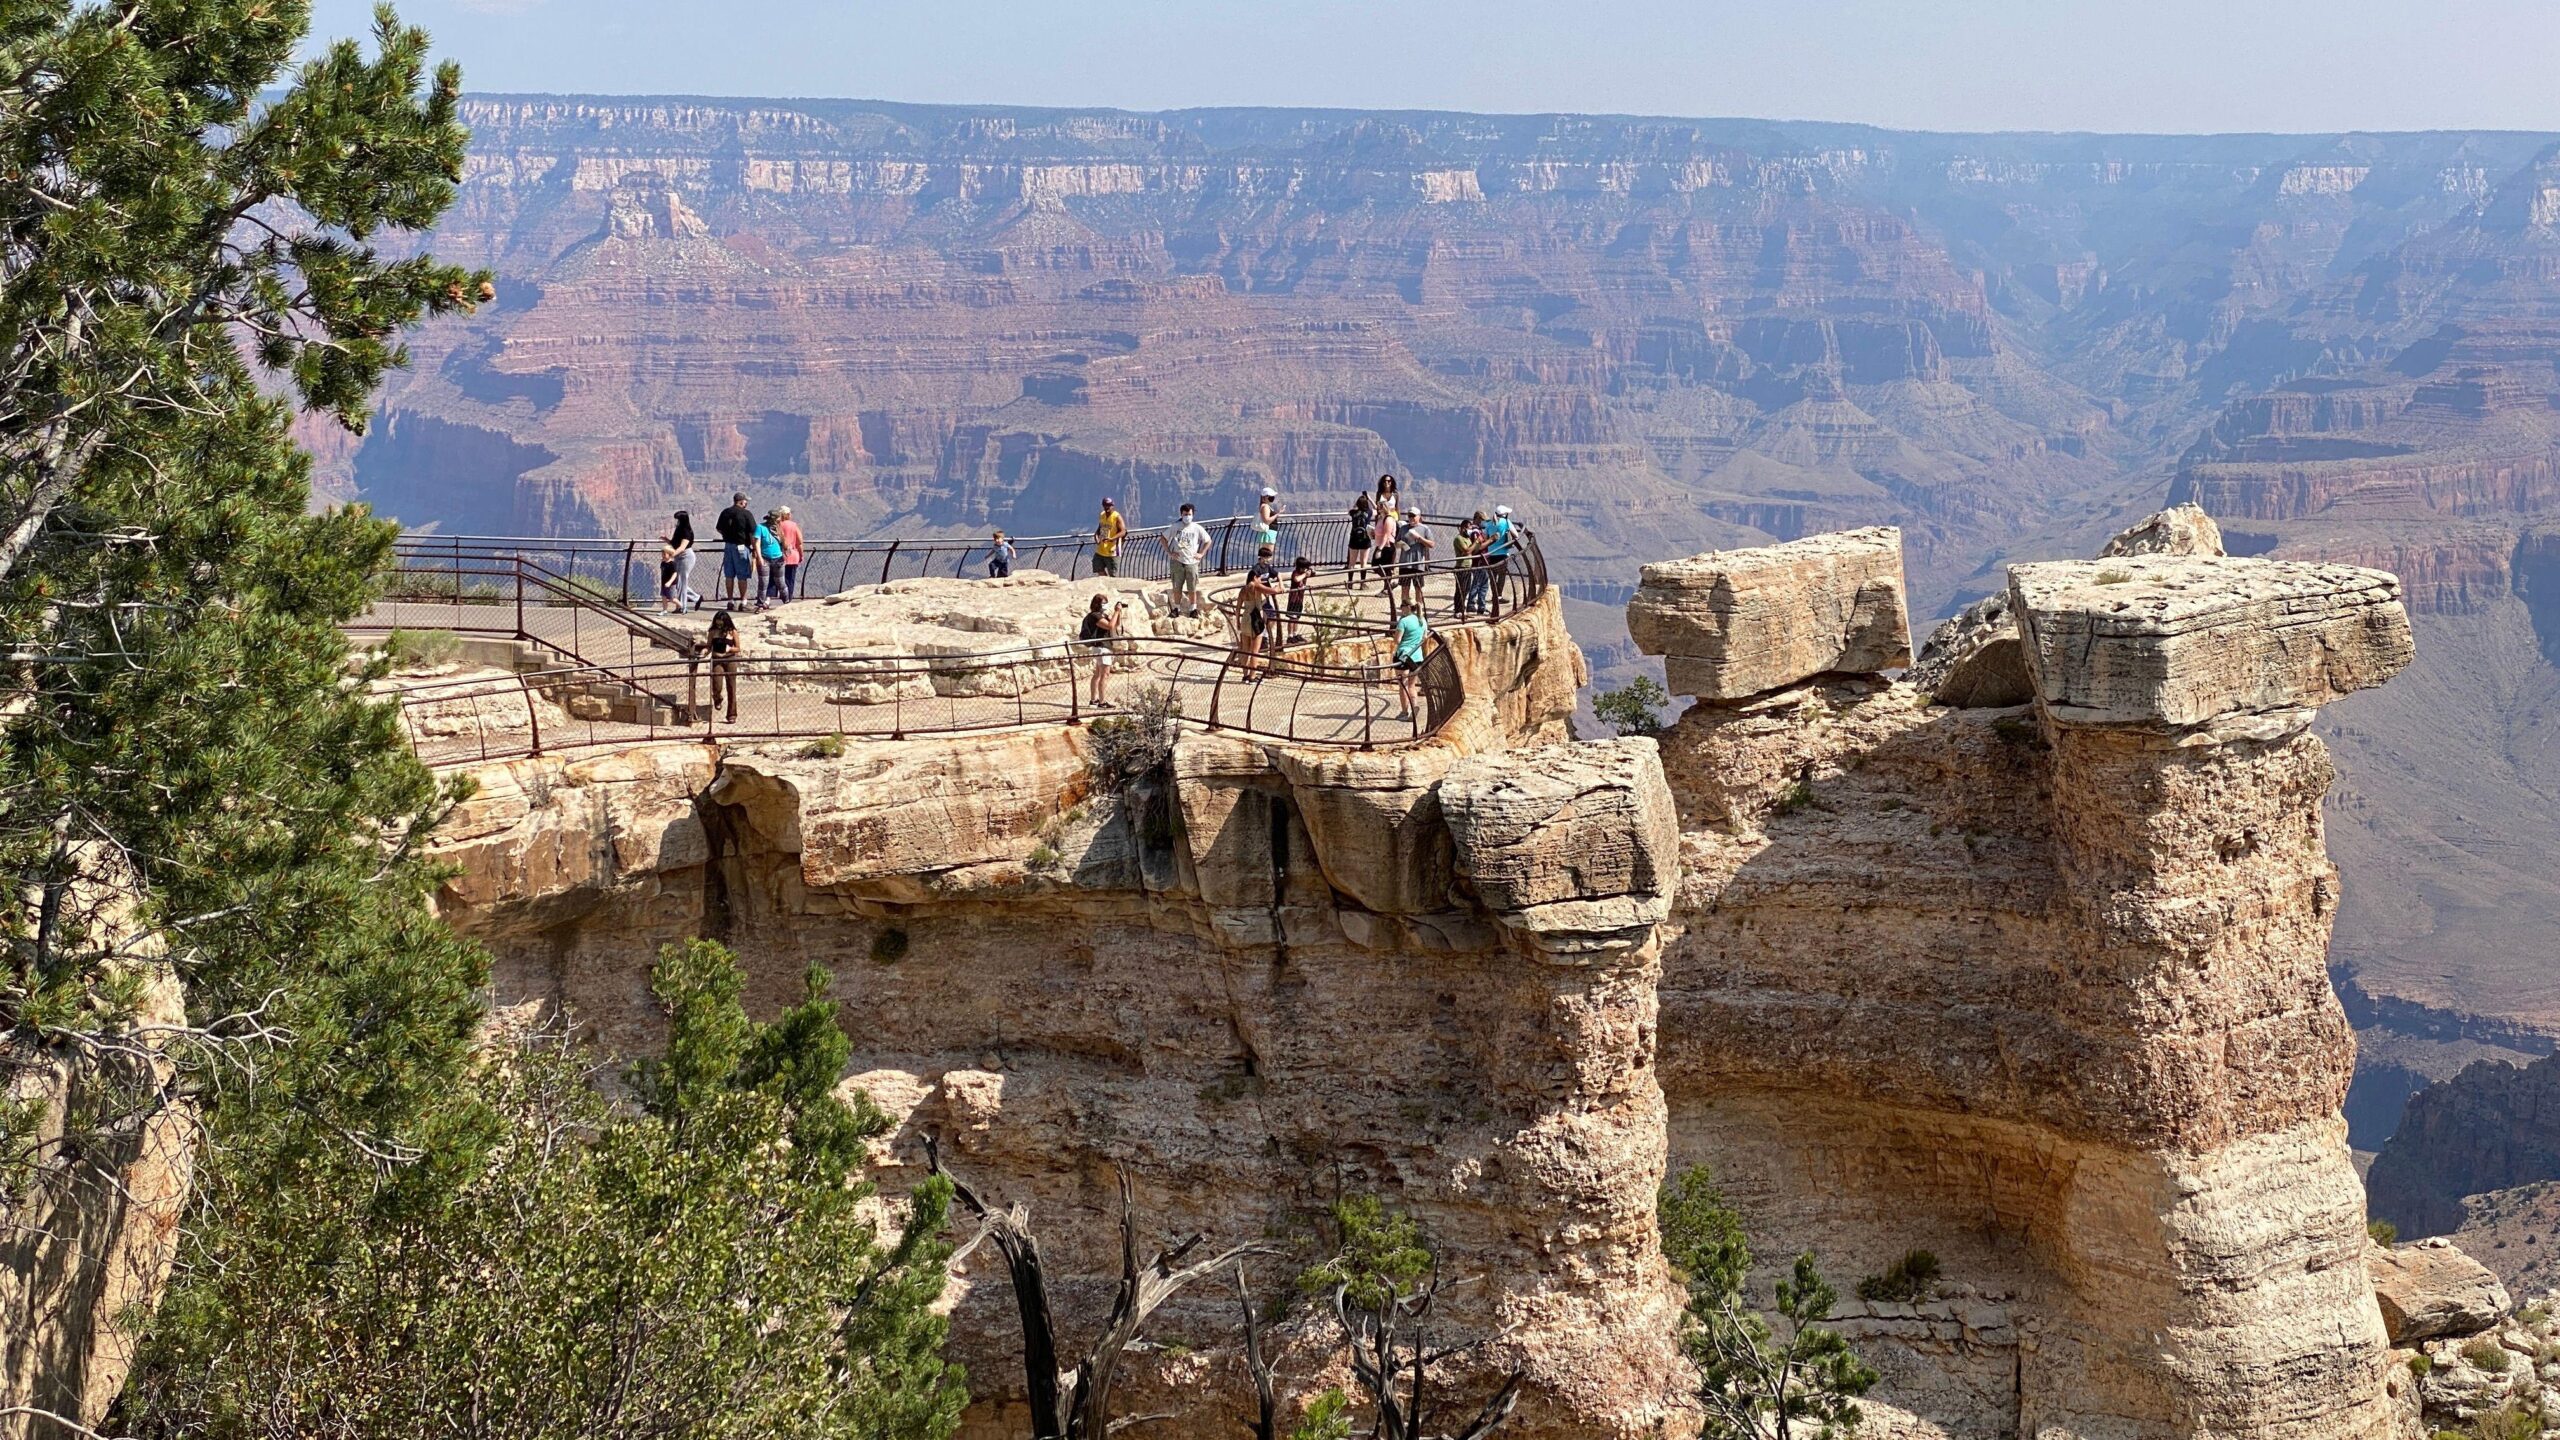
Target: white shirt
<point x="1191" y="543"/>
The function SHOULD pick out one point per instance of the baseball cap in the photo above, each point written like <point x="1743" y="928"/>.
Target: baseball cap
<point x="1270" y="494"/>
<point x="1501" y="509"/>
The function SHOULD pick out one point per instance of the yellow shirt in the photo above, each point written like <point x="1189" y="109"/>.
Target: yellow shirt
<point x="1107" y="532"/>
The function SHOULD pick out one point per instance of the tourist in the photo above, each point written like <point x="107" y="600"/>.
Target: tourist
<point x="1499" y="544"/>
<point x="1382" y="556"/>
<point x="737" y="529"/>
<point x="1463" y="554"/>
<point x="794" y="551"/>
<point x="1417" y="556"/>
<point x="1356" y="554"/>
<point x="1107" y="531"/>
<point x="1410" y="633"/>
<point x="1383" y="552"/>
<point x="999" y="557"/>
<point x="727" y="643"/>
<point x="1258" y="606"/>
<point x="1102" y="622"/>
<point x="675" y="568"/>
<point x="1190" y="548"/>
<point x="768" y="561"/>
<point x="1301" y="574"/>
<point x="1267" y="519"/>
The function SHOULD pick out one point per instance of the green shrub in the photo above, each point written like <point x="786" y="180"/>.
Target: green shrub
<point x="889" y="946"/>
<point x="1139" y="740"/>
<point x="1795" y="797"/>
<point x="1042" y="857"/>
<point x="2518" y="1419"/>
<point x="411" y="649"/>
<point x="2115" y="577"/>
<point x="825" y="747"/>
<point x="2487" y="1354"/>
<point x="1633" y="708"/>
<point x="1906" y="1281"/>
<point x="2420" y="1364"/>
<point x="2383" y="1232"/>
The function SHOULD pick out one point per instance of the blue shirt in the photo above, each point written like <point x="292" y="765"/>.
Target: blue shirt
<point x="1409" y="633"/>
<point x="767" y="543"/>
<point x="1499" y="534"/>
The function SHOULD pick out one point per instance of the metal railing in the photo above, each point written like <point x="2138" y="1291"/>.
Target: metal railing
<point x="627" y="570"/>
<point x="1354" y="703"/>
<point x="502" y="593"/>
<point x="1326" y="677"/>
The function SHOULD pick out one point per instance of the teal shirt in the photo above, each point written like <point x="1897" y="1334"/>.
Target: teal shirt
<point x="1409" y="633"/>
<point x="768" y="544"/>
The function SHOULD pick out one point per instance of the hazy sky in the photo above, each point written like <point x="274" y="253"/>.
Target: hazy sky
<point x="2164" y="65"/>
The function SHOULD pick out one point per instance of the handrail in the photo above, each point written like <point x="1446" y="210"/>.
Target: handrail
<point x="495" y="585"/>
<point x="628" y="567"/>
<point x="471" y="719"/>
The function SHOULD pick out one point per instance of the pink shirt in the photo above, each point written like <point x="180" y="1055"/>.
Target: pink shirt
<point x="788" y="532"/>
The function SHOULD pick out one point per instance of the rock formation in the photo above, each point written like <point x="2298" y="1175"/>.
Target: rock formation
<point x="2036" y="988"/>
<point x="2431" y="1290"/>
<point x="2495" y="1126"/>
<point x="1740" y="622"/>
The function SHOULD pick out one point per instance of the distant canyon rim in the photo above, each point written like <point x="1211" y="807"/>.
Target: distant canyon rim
<point x="1652" y="336"/>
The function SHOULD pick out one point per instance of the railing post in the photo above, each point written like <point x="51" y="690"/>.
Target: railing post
<point x="887" y="560"/>
<point x="532" y="712"/>
<point x="1226" y="532"/>
<point x="1368" y="705"/>
<point x="630" y="550"/>
<point x="1217" y="687"/>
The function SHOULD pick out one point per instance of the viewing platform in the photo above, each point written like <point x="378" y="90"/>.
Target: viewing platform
<point x="559" y="644"/>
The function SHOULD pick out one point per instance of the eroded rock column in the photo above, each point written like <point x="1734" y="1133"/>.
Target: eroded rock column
<point x="2214" y="1253"/>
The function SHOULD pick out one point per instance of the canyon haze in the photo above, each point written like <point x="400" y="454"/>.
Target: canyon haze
<point x="1653" y="336"/>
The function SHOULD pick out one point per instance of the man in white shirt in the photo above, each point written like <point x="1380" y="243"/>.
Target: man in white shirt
<point x="1190" y="547"/>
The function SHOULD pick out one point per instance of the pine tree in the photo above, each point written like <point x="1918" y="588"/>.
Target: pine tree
<point x="195" y="799"/>
<point x="1793" y="1379"/>
<point x="703" y="1265"/>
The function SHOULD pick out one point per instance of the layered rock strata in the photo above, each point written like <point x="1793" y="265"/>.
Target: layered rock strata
<point x="2036" y="988"/>
<point x="2040" y="989"/>
<point x="1735" y="623"/>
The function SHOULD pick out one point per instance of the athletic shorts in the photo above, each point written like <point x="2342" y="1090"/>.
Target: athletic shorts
<point x="737" y="562"/>
<point x="1404" y="664"/>
<point x="1186" y="577"/>
<point x="1106" y="564"/>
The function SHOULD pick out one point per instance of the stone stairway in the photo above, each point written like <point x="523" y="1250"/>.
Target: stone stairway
<point x="586" y="696"/>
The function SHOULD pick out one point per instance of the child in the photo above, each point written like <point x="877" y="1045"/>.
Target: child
<point x="999" y="557"/>
<point x="1300" y="575"/>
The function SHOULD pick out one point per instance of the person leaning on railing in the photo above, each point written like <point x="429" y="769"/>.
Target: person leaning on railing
<point x="1501" y="541"/>
<point x="1108" y="528"/>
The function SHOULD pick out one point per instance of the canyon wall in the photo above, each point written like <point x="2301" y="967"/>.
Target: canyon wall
<point x="2036" y="987"/>
<point x="1647" y="334"/>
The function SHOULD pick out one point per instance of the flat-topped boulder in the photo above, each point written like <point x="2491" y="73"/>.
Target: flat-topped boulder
<point x="1731" y="624"/>
<point x="2432" y="1289"/>
<point x="1567" y="843"/>
<point x="2184" y="640"/>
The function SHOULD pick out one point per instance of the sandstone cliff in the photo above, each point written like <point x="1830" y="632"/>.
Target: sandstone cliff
<point x="2036" y="987"/>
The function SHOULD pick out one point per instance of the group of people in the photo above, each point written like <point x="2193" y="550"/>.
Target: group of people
<point x="1395" y="542"/>
<point x="1390" y="539"/>
<point x="760" y="558"/>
